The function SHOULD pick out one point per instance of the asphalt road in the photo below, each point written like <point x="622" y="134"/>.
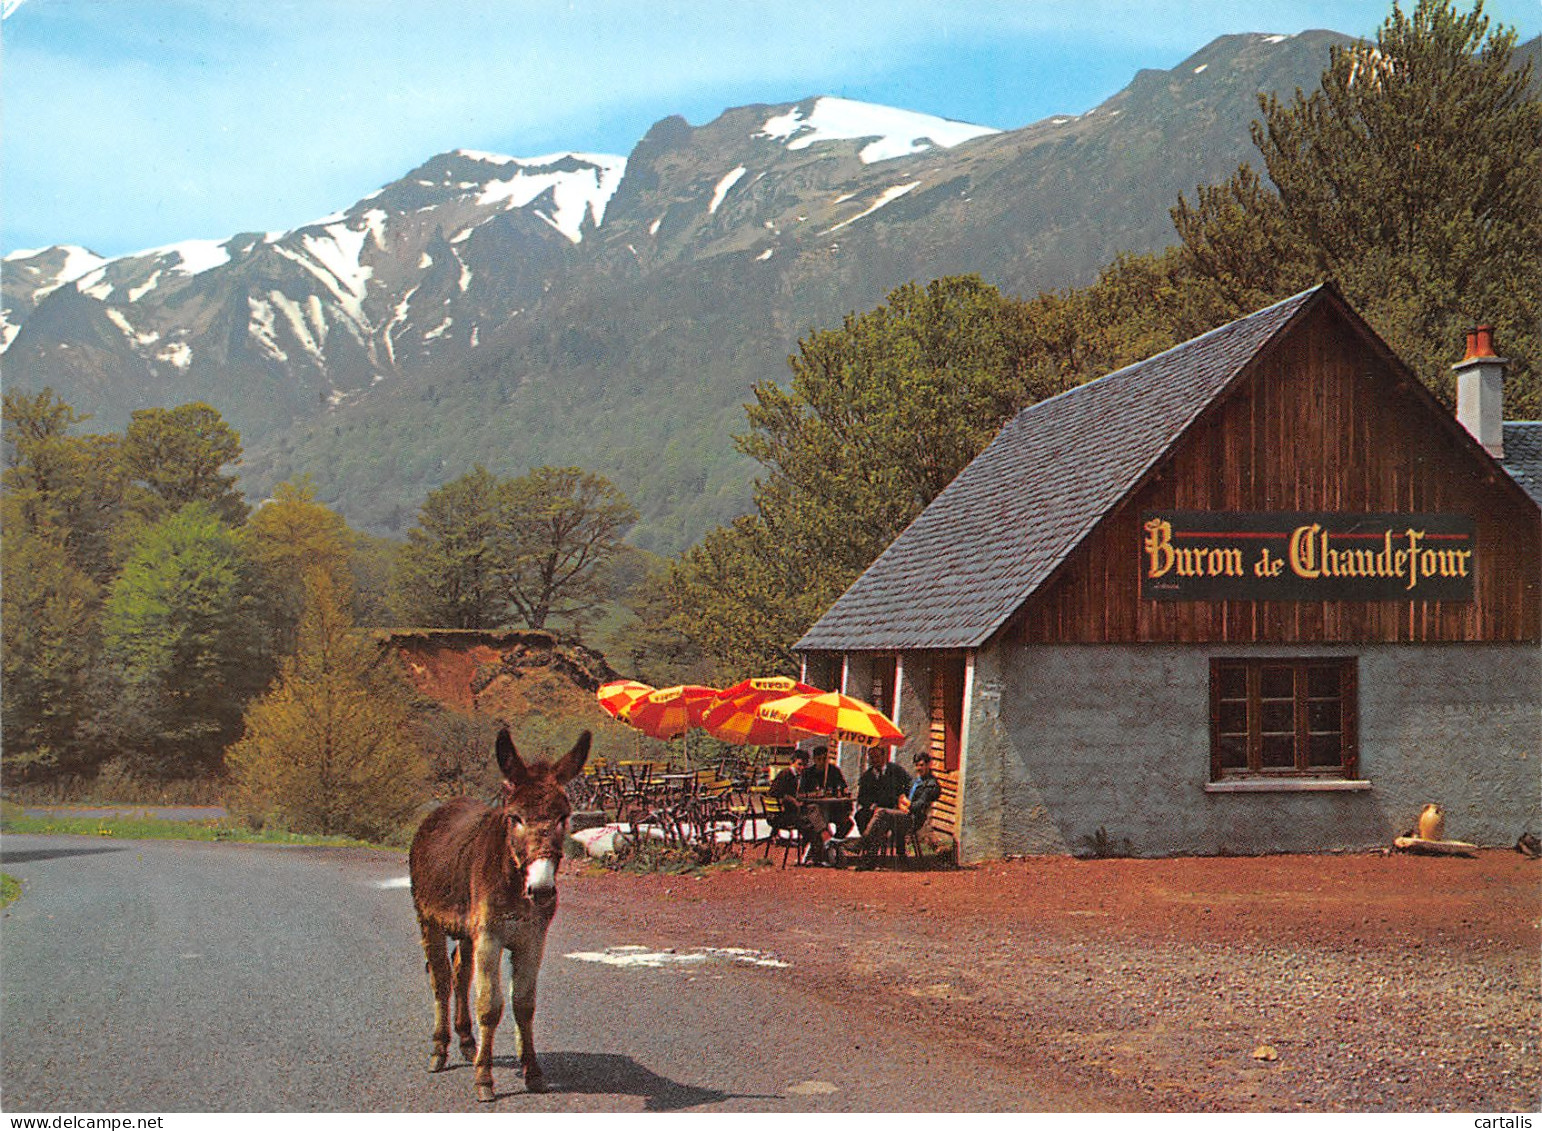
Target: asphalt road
<point x="167" y="976"/>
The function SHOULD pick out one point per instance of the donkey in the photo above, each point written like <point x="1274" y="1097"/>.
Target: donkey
<point x="487" y="877"/>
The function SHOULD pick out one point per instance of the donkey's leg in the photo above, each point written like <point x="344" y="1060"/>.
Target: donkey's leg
<point x="463" y="971"/>
<point x="489" y="957"/>
<point x="525" y="968"/>
<point x="438" y="962"/>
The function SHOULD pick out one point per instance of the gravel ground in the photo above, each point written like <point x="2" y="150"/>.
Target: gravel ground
<point x="1290" y="983"/>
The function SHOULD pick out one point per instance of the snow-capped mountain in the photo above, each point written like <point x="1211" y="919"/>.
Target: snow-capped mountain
<point x="886" y="133"/>
<point x="614" y="312"/>
<point x="29" y="276"/>
<point x="318" y="313"/>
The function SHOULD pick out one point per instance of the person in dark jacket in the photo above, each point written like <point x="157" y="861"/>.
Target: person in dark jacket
<point x="791" y="813"/>
<point x="880" y="786"/>
<point x="823" y="778"/>
<point x="907" y="814"/>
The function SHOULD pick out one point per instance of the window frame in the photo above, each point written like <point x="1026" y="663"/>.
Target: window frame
<point x="1257" y="705"/>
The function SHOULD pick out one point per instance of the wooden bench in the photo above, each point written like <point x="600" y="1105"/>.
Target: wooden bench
<point x="941" y="824"/>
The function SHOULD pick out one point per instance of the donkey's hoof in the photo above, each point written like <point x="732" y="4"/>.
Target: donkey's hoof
<point x="485" y="1093"/>
<point x="468" y="1049"/>
<point x="535" y="1083"/>
<point x="437" y="1062"/>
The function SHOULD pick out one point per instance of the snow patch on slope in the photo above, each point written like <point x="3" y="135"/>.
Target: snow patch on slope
<point x="117" y="318"/>
<point x="895" y="133"/>
<point x="263" y="329"/>
<point x="888" y="196"/>
<point x="188" y="258"/>
<point x="194" y="257"/>
<point x="179" y="354"/>
<point x="339" y="251"/>
<point x="307" y="324"/>
<point x="576" y="193"/>
<point x="77" y="262"/>
<point x="723" y="186"/>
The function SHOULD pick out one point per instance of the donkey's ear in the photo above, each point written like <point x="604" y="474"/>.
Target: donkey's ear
<point x="572" y="763"/>
<point x="508" y="758"/>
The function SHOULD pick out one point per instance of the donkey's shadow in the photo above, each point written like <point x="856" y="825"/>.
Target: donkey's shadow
<point x="603" y="1074"/>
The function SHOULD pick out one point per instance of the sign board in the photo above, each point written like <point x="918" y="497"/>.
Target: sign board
<point x="1293" y="556"/>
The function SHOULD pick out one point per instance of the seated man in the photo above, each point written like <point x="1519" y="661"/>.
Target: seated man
<point x="881" y="785"/>
<point x="790" y="813"/>
<point x="908" y="815"/>
<point x="825" y="779"/>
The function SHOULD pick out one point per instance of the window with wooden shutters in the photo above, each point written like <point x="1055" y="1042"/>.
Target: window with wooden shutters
<point x="1283" y="718"/>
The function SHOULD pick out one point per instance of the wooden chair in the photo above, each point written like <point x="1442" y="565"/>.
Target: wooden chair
<point x="941" y="822"/>
<point x="711" y="816"/>
<point x="787" y="839"/>
<point x="748" y="807"/>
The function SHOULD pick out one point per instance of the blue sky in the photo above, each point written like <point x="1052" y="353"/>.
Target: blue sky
<point x="127" y="124"/>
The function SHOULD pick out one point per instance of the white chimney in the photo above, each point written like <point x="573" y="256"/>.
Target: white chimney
<point x="1480" y="397"/>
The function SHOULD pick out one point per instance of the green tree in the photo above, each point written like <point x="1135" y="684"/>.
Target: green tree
<point x="559" y="530"/>
<point x="741" y="600"/>
<point x="487" y="549"/>
<point x="879" y="417"/>
<point x="649" y="644"/>
<point x="286" y="539"/>
<point x="177" y="456"/>
<point x="1413" y="177"/>
<point x="181" y="635"/>
<point x="1237" y="253"/>
<point x="71" y="486"/>
<point x="883" y="413"/>
<point x="372" y="561"/>
<point x="330" y="749"/>
<point x="447" y="574"/>
<point x="49" y="613"/>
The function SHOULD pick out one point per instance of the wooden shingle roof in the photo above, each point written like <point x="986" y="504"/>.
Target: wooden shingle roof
<point x="957" y="573"/>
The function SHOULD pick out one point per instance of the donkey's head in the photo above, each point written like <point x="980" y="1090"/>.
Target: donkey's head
<point x="536" y="809"/>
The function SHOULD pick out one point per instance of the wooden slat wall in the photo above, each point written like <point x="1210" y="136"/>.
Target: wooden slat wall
<point x="945" y="725"/>
<point x="1320" y="426"/>
<point x="937" y="728"/>
<point x="943" y="817"/>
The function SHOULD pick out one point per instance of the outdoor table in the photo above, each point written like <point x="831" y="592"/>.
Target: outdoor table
<point x="832" y="805"/>
<point x="640" y="773"/>
<point x="679" y="785"/>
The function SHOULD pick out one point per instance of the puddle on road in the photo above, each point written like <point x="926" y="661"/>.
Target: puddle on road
<point x="634" y="955"/>
<point x="649" y="957"/>
<point x="814" y="1088"/>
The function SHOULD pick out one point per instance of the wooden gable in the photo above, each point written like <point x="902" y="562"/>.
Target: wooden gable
<point x="1324" y="420"/>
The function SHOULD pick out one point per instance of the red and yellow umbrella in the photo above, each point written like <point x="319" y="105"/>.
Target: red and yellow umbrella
<point x="833" y="715"/>
<point x="669" y="711"/>
<point x="620" y="694"/>
<point x="732" y="716"/>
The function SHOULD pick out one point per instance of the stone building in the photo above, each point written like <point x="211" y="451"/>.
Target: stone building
<point x="1260" y="592"/>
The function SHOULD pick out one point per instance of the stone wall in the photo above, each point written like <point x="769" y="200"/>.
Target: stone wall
<point x="1106" y="749"/>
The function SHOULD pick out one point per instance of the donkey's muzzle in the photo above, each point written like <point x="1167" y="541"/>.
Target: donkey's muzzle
<point x="541" y="883"/>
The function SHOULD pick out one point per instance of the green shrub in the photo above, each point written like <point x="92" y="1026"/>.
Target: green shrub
<point x="331" y="749"/>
